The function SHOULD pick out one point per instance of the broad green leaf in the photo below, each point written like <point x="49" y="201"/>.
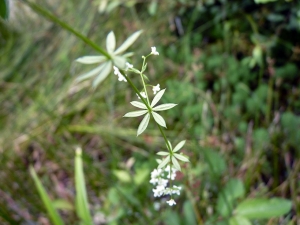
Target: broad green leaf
<point x="157" y="97"/>
<point x="122" y="175"/>
<point x="163" y="153"/>
<point x="129" y="41"/>
<point x="92" y="73"/>
<point x="138" y="104"/>
<point x="176" y="164"/>
<point x="181" y="157"/>
<point x="233" y="189"/>
<point x="136" y="113"/>
<point x="143" y="125"/>
<point x="239" y="220"/>
<point x="53" y="214"/>
<point x="82" y="207"/>
<point x="189" y="214"/>
<point x="263" y="208"/>
<point x="216" y="163"/>
<point x="119" y="61"/>
<point x="164" y="107"/>
<point x="110" y="42"/>
<point x="179" y="146"/>
<point x="62" y="204"/>
<point x="163" y="163"/>
<point x="91" y="59"/>
<point x="159" y="119"/>
<point x="103" y="74"/>
<point x="4" y="9"/>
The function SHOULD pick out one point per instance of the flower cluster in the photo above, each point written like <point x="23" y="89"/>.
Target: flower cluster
<point x="160" y="178"/>
<point x="118" y="73"/>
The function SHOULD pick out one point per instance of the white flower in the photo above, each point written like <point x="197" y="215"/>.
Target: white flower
<point x="153" y="51"/>
<point x="143" y="94"/>
<point x="128" y="66"/>
<point x="171" y="202"/>
<point x="158" y="119"/>
<point x="118" y="73"/>
<point x="156" y="88"/>
<point x="159" y="191"/>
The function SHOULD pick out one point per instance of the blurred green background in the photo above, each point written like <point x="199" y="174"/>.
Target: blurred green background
<point x="232" y="66"/>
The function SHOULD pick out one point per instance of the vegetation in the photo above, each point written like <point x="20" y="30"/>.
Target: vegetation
<point x="231" y="66"/>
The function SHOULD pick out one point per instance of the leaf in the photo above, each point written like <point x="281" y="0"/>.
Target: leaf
<point x="136" y="113"/>
<point x="233" y="189"/>
<point x="62" y="204"/>
<point x="164" y="107"/>
<point x="163" y="153"/>
<point x="138" y="104"/>
<point x="143" y="125"/>
<point x="4" y="9"/>
<point x="53" y="214"/>
<point x="119" y="61"/>
<point x="122" y="175"/>
<point x="176" y="164"/>
<point x="91" y="73"/>
<point x="82" y="208"/>
<point x="159" y="119"/>
<point x="239" y="220"/>
<point x="91" y="59"/>
<point x="189" y="214"/>
<point x="157" y="97"/>
<point x="170" y="145"/>
<point x="179" y="146"/>
<point x="128" y="54"/>
<point x="181" y="157"/>
<point x="263" y="208"/>
<point x="110" y="42"/>
<point x="163" y="163"/>
<point x="103" y="74"/>
<point x="129" y="41"/>
<point x="216" y="163"/>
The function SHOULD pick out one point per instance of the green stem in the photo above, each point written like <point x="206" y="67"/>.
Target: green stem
<point x="144" y="85"/>
<point x="65" y="26"/>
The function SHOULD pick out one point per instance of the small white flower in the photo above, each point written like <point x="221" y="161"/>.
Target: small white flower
<point x="156" y="89"/>
<point x="153" y="51"/>
<point x="128" y="66"/>
<point x="118" y="73"/>
<point x="143" y="94"/>
<point x="171" y="202"/>
<point x="159" y="191"/>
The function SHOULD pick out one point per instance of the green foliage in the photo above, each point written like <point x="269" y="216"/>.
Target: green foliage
<point x="4" y="9"/>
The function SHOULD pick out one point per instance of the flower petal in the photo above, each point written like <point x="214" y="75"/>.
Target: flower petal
<point x="163" y="163"/>
<point x="163" y="153"/>
<point x="103" y="74"/>
<point x="110" y="42"/>
<point x="159" y="119"/>
<point x="157" y="97"/>
<point x="138" y="104"/>
<point x="129" y="41"/>
<point x="91" y="59"/>
<point x="179" y="146"/>
<point x="164" y="107"/>
<point x="176" y="164"/>
<point x="143" y="125"/>
<point x="181" y="157"/>
<point x="92" y="73"/>
<point x="136" y="113"/>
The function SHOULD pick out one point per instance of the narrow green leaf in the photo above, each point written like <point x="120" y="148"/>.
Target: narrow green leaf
<point x="128" y="54"/>
<point x="157" y="97"/>
<point x="164" y="107"/>
<point x="53" y="214"/>
<point x="4" y="9"/>
<point x="263" y="208"/>
<point x="62" y="204"/>
<point x="179" y="146"/>
<point x="181" y="157"/>
<point x="91" y="59"/>
<point x="122" y="175"/>
<point x="163" y="153"/>
<point x="138" y="104"/>
<point x="159" y="119"/>
<point x="129" y="41"/>
<point x="176" y="164"/>
<point x="163" y="163"/>
<point x="119" y="61"/>
<point x="103" y="74"/>
<point x="90" y="74"/>
<point x="110" y="42"/>
<point x="82" y="207"/>
<point x="239" y="220"/>
<point x="169" y="145"/>
<point x="143" y="125"/>
<point x="136" y="113"/>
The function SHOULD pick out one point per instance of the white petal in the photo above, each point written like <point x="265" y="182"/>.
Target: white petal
<point x="181" y="157"/>
<point x="91" y="59"/>
<point x="164" y="107"/>
<point x="110" y="42"/>
<point x="159" y="119"/>
<point x="138" y="104"/>
<point x="143" y="125"/>
<point x="176" y="164"/>
<point x="179" y="146"/>
<point x="157" y="97"/>
<point x="136" y="113"/>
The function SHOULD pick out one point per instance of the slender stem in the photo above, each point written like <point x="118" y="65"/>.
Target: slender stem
<point x="144" y="85"/>
<point x="65" y="26"/>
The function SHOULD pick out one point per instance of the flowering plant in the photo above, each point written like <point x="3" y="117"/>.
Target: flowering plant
<point x="168" y="166"/>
